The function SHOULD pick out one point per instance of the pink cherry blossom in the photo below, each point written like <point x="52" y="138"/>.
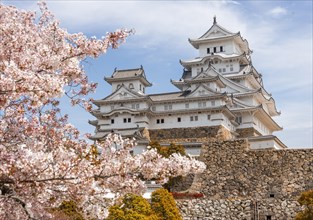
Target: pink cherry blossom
<point x="43" y="159"/>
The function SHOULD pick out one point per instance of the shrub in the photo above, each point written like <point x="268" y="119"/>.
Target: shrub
<point x="164" y="205"/>
<point x="133" y="207"/>
<point x="306" y="200"/>
<point x="68" y="210"/>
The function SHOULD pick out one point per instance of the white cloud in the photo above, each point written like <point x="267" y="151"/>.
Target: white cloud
<point x="278" y="11"/>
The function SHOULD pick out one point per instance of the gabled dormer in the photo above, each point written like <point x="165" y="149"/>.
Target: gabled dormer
<point x="218" y="40"/>
<point x="123" y="93"/>
<point x="133" y="79"/>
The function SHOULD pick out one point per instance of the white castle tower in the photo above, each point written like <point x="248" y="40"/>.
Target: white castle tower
<point x="219" y="90"/>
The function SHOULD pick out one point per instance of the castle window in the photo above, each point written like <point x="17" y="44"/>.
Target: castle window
<point x="187" y="105"/>
<point x="112" y="121"/>
<point x="112" y="107"/>
<point x="268" y="217"/>
<point x="209" y="117"/>
<point x="140" y="86"/>
<point x="153" y="108"/>
<point x="201" y="104"/>
<point x="224" y="70"/>
<point x="221" y="48"/>
<point x="167" y="107"/>
<point x="127" y="120"/>
<point x="231" y="67"/>
<point x="143" y="89"/>
<point x="207" y="50"/>
<point x="160" y="121"/>
<point x="191" y="118"/>
<point x="272" y="195"/>
<point x="133" y="106"/>
<point x="178" y="119"/>
<point x="137" y="106"/>
<point x="214" y="49"/>
<point x="213" y="103"/>
<point x="131" y="86"/>
<point x="196" y="118"/>
<point x="219" y="70"/>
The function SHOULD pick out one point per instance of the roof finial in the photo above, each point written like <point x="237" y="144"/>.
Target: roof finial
<point x="214" y="19"/>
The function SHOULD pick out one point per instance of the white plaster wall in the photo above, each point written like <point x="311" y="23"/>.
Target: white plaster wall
<point x="227" y="47"/>
<point x="261" y="127"/>
<point x="262" y="144"/>
<point x="136" y="84"/>
<point x="171" y="121"/>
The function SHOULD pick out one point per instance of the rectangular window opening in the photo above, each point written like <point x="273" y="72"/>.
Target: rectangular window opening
<point x="178" y="119"/>
<point x="208" y="50"/>
<point x="112" y="121"/>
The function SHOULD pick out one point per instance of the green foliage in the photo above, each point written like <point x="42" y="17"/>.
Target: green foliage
<point x="306" y="200"/>
<point x="168" y="151"/>
<point x="133" y="207"/>
<point x="69" y="210"/>
<point x="164" y="205"/>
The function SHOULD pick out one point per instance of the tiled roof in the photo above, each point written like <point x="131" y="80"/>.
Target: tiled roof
<point x="169" y="96"/>
<point x="128" y="73"/>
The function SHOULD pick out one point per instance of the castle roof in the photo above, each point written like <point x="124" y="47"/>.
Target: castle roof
<point x="127" y="75"/>
<point x="222" y="56"/>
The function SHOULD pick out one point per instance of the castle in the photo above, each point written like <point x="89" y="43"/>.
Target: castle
<point x="223" y="114"/>
<point x="220" y="92"/>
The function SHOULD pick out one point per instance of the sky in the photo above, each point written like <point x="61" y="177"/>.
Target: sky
<point x="278" y="32"/>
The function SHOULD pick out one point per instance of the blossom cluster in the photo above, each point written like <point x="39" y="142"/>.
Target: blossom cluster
<point x="43" y="159"/>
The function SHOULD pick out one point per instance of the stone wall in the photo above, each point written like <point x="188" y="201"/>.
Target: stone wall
<point x="198" y="134"/>
<point x="238" y="209"/>
<point x="247" y="132"/>
<point x="237" y="178"/>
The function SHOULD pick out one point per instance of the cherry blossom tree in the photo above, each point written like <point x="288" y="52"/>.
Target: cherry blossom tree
<point x="43" y="159"/>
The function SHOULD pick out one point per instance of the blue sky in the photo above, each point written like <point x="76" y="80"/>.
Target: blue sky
<point x="278" y="32"/>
